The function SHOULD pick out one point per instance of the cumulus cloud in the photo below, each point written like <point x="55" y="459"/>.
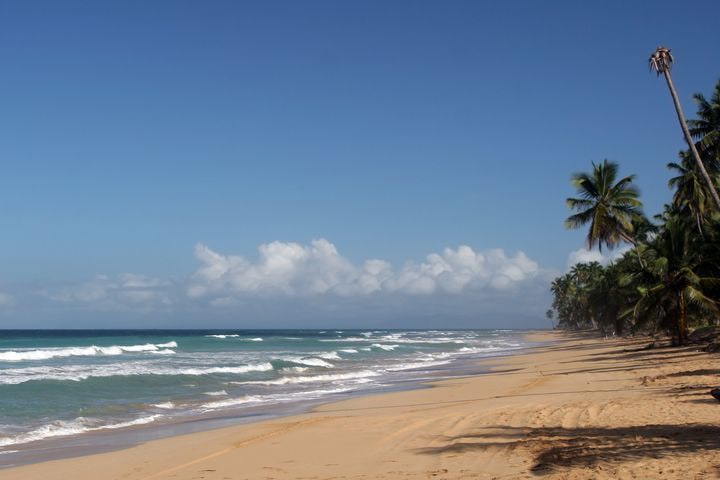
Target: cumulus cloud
<point x="294" y="270"/>
<point x="583" y="255"/>
<point x="302" y="285"/>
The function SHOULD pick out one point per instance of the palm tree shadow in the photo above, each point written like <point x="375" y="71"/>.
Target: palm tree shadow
<point x="556" y="448"/>
<point x="688" y="373"/>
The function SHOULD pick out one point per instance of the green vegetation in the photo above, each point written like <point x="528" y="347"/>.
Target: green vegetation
<point x="669" y="279"/>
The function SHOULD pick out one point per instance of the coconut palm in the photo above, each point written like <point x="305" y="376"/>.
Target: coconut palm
<point x="609" y="297"/>
<point x="609" y="206"/>
<point x="571" y="296"/>
<point x="661" y="62"/>
<point x="691" y="196"/>
<point x="706" y="129"/>
<point x="678" y="280"/>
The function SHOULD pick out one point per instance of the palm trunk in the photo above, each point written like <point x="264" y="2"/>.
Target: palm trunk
<point x="682" y="327"/>
<point x="688" y="139"/>
<point x="699" y="225"/>
<point x="618" y="325"/>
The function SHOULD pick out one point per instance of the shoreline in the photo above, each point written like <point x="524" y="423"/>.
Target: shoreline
<point x="578" y="407"/>
<point x="109" y="440"/>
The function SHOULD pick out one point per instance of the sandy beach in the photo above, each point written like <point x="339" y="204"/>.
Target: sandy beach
<point x="580" y="407"/>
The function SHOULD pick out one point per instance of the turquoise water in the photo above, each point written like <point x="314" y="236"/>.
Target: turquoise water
<point x="56" y="384"/>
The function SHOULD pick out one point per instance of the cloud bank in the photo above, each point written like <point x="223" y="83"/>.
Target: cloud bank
<point x="288" y="284"/>
<point x="291" y="269"/>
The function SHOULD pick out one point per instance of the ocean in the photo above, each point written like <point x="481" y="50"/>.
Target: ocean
<point x="71" y="384"/>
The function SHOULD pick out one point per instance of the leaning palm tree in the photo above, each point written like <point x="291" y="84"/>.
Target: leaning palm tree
<point x="609" y="206"/>
<point x="661" y="62"/>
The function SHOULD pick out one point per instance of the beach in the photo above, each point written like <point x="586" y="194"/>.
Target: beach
<point x="577" y="407"/>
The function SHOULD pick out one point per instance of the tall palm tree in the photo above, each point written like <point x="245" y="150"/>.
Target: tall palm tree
<point x="661" y="62"/>
<point x="609" y="207"/>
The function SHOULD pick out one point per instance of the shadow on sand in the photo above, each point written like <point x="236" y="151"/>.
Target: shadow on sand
<point x="556" y="448"/>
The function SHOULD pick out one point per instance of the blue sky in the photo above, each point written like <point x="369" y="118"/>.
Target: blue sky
<point x="135" y="134"/>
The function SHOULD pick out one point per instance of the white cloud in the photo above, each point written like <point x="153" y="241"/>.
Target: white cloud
<point x="305" y="285"/>
<point x="583" y="255"/>
<point x="291" y="269"/>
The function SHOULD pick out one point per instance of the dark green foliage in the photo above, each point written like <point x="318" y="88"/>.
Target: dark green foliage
<point x="670" y="279"/>
<point x="610" y="207"/>
<point x="706" y="128"/>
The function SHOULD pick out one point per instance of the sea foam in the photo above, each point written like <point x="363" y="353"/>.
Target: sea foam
<point x="62" y="428"/>
<point x="77" y="373"/>
<point x="364" y="374"/>
<point x="92" y="350"/>
<point x="272" y="398"/>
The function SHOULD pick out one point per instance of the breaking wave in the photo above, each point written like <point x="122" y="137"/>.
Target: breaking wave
<point x="92" y="350"/>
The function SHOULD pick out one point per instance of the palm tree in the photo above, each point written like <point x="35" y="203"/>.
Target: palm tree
<point x="610" y="207"/>
<point x="661" y="62"/>
<point x="678" y="280"/>
<point x="571" y="296"/>
<point x="550" y="314"/>
<point x="691" y="196"/>
<point x="609" y="297"/>
<point x="706" y="129"/>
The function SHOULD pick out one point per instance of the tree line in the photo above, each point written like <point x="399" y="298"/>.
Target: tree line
<point x="669" y="279"/>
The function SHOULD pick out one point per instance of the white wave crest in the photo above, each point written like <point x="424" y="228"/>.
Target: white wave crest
<point x="272" y="398"/>
<point x="396" y="338"/>
<point x="77" y="373"/>
<point x="384" y="347"/>
<point x="347" y="339"/>
<point x="329" y="356"/>
<point x="231" y="402"/>
<point x="233" y="335"/>
<point x="308" y="361"/>
<point x="62" y="428"/>
<point x="358" y="376"/>
<point x="260" y="367"/>
<point x="92" y="350"/>
<point x="216" y="394"/>
<point x="416" y="365"/>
